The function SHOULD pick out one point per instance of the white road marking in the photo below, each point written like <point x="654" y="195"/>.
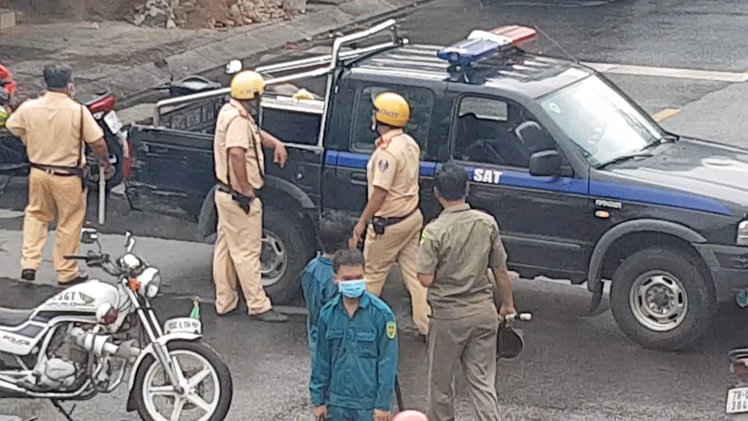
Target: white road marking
<point x="625" y="69"/>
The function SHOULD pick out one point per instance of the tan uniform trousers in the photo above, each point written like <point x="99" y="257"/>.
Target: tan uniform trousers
<point x="399" y="243"/>
<point x="237" y="256"/>
<point x="50" y="194"/>
<point x="471" y="342"/>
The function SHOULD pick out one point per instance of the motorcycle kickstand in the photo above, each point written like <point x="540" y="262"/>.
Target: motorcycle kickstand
<point x="66" y="414"/>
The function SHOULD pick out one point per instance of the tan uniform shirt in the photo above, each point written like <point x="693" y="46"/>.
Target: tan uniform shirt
<point x="458" y="248"/>
<point x="394" y="166"/>
<point x="237" y="129"/>
<point x="50" y="127"/>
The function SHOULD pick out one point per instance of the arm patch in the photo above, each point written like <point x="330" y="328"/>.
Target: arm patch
<point x="391" y="330"/>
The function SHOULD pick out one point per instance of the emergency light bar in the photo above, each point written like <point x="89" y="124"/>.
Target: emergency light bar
<point x="483" y="44"/>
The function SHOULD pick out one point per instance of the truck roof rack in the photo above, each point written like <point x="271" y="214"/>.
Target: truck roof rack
<point x="330" y="63"/>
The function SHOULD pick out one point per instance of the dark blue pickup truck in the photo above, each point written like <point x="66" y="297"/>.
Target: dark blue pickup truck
<point x="585" y="185"/>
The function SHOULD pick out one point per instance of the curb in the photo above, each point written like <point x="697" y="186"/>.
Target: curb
<point x="256" y="41"/>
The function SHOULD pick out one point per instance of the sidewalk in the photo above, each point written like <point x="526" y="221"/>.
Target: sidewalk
<point x="130" y="60"/>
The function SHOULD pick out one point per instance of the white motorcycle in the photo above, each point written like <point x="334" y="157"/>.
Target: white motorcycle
<point x="81" y="342"/>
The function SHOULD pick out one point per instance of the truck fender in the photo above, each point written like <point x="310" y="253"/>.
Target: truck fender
<point x="290" y="189"/>
<point x="594" y="270"/>
<point x="206" y="224"/>
<point x="149" y="350"/>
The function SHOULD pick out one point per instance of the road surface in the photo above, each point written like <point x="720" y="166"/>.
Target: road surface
<point x="574" y="368"/>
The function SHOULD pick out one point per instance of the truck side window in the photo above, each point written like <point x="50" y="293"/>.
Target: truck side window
<point x="485" y="133"/>
<point x="292" y="126"/>
<point x="421" y="103"/>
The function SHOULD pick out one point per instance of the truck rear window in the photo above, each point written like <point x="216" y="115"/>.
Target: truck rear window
<point x="292" y="126"/>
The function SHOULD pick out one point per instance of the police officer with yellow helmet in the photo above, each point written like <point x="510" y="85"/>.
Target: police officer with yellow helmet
<point x="240" y="170"/>
<point x="392" y="215"/>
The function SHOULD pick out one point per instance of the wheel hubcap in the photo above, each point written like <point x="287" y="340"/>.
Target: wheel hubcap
<point x="658" y="301"/>
<point x="274" y="259"/>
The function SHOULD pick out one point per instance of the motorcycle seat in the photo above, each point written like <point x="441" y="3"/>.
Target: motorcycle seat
<point x="12" y="317"/>
<point x="97" y="97"/>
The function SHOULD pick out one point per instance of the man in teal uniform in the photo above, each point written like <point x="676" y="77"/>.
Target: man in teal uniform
<point x="355" y="361"/>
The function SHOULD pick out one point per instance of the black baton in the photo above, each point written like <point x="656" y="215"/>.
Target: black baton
<point x="399" y="396"/>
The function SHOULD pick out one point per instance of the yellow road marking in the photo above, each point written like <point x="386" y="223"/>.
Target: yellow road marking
<point x="667" y="112"/>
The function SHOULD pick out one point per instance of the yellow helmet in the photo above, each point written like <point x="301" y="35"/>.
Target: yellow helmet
<point x="247" y="85"/>
<point x="391" y="109"/>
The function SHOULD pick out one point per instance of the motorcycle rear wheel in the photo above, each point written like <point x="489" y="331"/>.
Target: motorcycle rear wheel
<point x="201" y="351"/>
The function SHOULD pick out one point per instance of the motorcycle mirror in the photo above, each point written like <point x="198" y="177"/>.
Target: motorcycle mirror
<point x="234" y="66"/>
<point x="89" y="235"/>
<point x="129" y="241"/>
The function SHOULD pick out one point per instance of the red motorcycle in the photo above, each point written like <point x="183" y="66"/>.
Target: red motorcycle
<point x="14" y="161"/>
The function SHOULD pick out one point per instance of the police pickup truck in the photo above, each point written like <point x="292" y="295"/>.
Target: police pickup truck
<point x="585" y="185"/>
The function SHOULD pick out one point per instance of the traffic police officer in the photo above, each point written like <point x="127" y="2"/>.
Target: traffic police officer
<point x="392" y="208"/>
<point x="240" y="167"/>
<point x="456" y="250"/>
<point x="355" y="362"/>
<point x="54" y="129"/>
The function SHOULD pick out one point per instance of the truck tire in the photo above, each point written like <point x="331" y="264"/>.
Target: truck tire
<point x="661" y="300"/>
<point x="286" y="249"/>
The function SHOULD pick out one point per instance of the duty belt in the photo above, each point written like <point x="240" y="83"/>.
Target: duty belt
<point x="58" y="170"/>
<point x="243" y="201"/>
<point x="380" y="224"/>
<point x="393" y="220"/>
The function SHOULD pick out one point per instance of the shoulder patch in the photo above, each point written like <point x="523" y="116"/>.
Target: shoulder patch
<point x="383" y="165"/>
<point x="391" y="330"/>
<point x="424" y="236"/>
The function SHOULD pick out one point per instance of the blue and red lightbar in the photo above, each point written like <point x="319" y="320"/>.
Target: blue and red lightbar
<point x="484" y="44"/>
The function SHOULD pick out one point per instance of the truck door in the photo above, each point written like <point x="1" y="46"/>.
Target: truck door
<point x="349" y="150"/>
<point x="543" y="220"/>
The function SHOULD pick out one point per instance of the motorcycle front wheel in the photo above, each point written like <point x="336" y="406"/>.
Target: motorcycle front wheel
<point x="196" y="403"/>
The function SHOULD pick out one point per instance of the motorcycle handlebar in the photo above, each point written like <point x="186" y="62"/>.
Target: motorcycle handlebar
<point x="97" y="260"/>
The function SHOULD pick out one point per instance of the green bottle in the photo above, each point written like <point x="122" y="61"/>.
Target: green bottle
<point x="195" y="313"/>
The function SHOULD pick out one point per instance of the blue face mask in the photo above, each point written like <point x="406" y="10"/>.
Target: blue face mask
<point x="352" y="289"/>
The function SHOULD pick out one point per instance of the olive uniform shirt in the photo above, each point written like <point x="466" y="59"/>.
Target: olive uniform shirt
<point x="458" y="248"/>
<point x="235" y="128"/>
<point x="394" y="166"/>
<point x="50" y="127"/>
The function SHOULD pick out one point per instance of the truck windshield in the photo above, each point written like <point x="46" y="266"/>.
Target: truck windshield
<point x="600" y="121"/>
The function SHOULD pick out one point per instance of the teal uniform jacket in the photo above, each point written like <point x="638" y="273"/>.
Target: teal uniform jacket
<point x="355" y="362"/>
<point x="319" y="288"/>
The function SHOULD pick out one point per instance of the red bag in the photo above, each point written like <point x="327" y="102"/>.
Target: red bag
<point x="6" y="80"/>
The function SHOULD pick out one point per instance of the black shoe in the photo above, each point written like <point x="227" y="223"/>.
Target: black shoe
<point x="270" y="316"/>
<point x="28" y="274"/>
<point x="82" y="277"/>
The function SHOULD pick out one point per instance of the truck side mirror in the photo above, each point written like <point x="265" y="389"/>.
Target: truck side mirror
<point x="545" y="164"/>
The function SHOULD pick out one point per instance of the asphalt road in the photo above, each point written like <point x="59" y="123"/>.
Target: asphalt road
<point x="574" y="368"/>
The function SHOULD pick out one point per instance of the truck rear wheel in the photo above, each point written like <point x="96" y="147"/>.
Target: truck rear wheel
<point x="661" y="300"/>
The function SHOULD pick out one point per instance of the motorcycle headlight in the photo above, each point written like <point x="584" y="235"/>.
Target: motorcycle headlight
<point x="742" y="235"/>
<point x="149" y="282"/>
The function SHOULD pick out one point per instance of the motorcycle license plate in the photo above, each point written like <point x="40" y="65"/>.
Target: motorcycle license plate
<point x="112" y="121"/>
<point x="183" y="325"/>
<point x="737" y="400"/>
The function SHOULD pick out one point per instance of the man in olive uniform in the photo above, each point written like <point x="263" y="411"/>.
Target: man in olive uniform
<point x="457" y="249"/>
<point x="240" y="169"/>
<point x="54" y="129"/>
<point x="392" y="215"/>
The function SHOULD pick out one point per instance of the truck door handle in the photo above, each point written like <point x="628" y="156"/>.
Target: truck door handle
<point x="359" y="179"/>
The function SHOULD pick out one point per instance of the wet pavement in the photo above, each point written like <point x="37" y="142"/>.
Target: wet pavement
<point x="574" y="368"/>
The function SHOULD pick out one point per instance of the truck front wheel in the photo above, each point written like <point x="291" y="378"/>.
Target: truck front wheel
<point x="661" y="300"/>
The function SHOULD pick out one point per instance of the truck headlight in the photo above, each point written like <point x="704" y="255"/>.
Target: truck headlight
<point x="742" y="237"/>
